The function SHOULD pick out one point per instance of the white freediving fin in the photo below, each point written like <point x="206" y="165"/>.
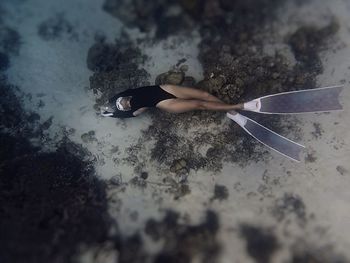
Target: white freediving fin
<point x="300" y="101"/>
<point x="268" y="137"/>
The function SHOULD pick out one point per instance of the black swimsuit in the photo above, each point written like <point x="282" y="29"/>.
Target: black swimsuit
<point x="147" y="96"/>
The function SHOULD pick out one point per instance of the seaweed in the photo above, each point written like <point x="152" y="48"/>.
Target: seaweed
<point x="181" y="242"/>
<point x="260" y="243"/>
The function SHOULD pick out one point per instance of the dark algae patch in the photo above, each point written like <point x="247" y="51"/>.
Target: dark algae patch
<point x="146" y="15"/>
<point x="56" y="27"/>
<point x="50" y="203"/>
<point x="4" y="61"/>
<point x="182" y="242"/>
<point x="220" y="193"/>
<point x="306" y="44"/>
<point x="260" y="243"/>
<point x="290" y="204"/>
<point x="10" y="40"/>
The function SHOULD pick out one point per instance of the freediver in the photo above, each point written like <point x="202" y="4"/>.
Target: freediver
<point x="169" y="98"/>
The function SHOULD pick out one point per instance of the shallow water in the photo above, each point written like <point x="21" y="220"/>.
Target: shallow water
<point x="269" y="209"/>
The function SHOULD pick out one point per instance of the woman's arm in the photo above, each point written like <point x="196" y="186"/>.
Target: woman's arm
<point x="139" y="111"/>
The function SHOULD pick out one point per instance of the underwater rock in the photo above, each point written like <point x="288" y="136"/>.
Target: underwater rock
<point x="144" y="175"/>
<point x="212" y="84"/>
<point x="170" y="77"/>
<point x="176" y="76"/>
<point x="179" y="167"/>
<point x="88" y="137"/>
<point x="188" y="81"/>
<point x="116" y="180"/>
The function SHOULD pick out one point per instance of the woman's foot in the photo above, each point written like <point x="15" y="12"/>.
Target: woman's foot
<point x="253" y="105"/>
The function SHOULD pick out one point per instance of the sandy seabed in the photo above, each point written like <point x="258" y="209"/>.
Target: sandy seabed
<point x="295" y="207"/>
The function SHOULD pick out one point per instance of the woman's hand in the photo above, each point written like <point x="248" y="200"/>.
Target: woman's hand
<point x="139" y="111"/>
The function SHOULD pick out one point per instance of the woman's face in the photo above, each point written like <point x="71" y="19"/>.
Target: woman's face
<point x="124" y="103"/>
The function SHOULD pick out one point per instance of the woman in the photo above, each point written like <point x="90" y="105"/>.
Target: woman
<point x="170" y="98"/>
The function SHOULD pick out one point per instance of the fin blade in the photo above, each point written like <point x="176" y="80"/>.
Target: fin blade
<point x="274" y="141"/>
<point x="271" y="139"/>
<point x="302" y="101"/>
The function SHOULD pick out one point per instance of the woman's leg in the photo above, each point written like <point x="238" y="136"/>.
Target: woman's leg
<point x="184" y="105"/>
<point x="189" y="93"/>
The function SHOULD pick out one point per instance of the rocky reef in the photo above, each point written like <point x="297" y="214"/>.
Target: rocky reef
<point x="116" y="66"/>
<point x="235" y="69"/>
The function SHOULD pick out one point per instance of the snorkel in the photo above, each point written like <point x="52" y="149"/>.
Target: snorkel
<point x="107" y="111"/>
